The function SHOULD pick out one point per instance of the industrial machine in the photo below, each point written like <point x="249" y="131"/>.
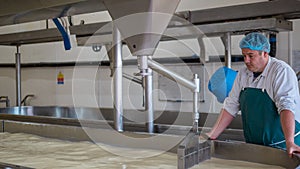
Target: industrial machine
<point x="157" y="22"/>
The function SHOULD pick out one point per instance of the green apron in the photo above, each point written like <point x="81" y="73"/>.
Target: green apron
<point x="261" y="121"/>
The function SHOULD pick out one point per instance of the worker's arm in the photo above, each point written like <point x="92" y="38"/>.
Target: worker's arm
<point x="288" y="126"/>
<point x="223" y="121"/>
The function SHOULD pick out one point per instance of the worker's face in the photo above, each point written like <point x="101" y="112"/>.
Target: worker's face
<point x="255" y="61"/>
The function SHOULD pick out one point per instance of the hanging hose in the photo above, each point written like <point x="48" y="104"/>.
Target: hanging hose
<point x="65" y="35"/>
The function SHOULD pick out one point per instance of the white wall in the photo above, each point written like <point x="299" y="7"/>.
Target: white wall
<point x="90" y="86"/>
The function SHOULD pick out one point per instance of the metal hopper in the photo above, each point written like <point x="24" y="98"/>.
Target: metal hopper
<point x="143" y="22"/>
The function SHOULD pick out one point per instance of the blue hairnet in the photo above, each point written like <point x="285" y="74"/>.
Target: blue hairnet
<point x="221" y="82"/>
<point x="255" y="41"/>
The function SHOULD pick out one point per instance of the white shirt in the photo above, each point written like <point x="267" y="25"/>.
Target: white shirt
<point x="279" y="81"/>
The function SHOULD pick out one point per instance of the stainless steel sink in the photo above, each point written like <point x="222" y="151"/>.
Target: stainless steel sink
<point x="55" y="112"/>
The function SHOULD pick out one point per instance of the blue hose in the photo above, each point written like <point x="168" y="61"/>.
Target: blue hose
<point x="64" y="34"/>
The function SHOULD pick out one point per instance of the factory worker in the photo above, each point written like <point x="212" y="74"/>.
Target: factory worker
<point x="266" y="92"/>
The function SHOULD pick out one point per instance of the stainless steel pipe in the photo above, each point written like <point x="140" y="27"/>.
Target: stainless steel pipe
<point x="149" y="100"/>
<point x="146" y="73"/>
<point x="194" y="87"/>
<point x="117" y="80"/>
<point x="18" y="77"/>
<point x="195" y="104"/>
<point x="171" y="75"/>
<point x="227" y="44"/>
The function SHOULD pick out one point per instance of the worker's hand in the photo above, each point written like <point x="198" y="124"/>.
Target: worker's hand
<point x="292" y="148"/>
<point x="205" y="136"/>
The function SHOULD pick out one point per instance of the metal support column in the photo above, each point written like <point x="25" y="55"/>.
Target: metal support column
<point x="195" y="103"/>
<point x="146" y="73"/>
<point x="149" y="100"/>
<point x="290" y="49"/>
<point x="117" y="80"/>
<point x="18" y="77"/>
<point x="227" y="43"/>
